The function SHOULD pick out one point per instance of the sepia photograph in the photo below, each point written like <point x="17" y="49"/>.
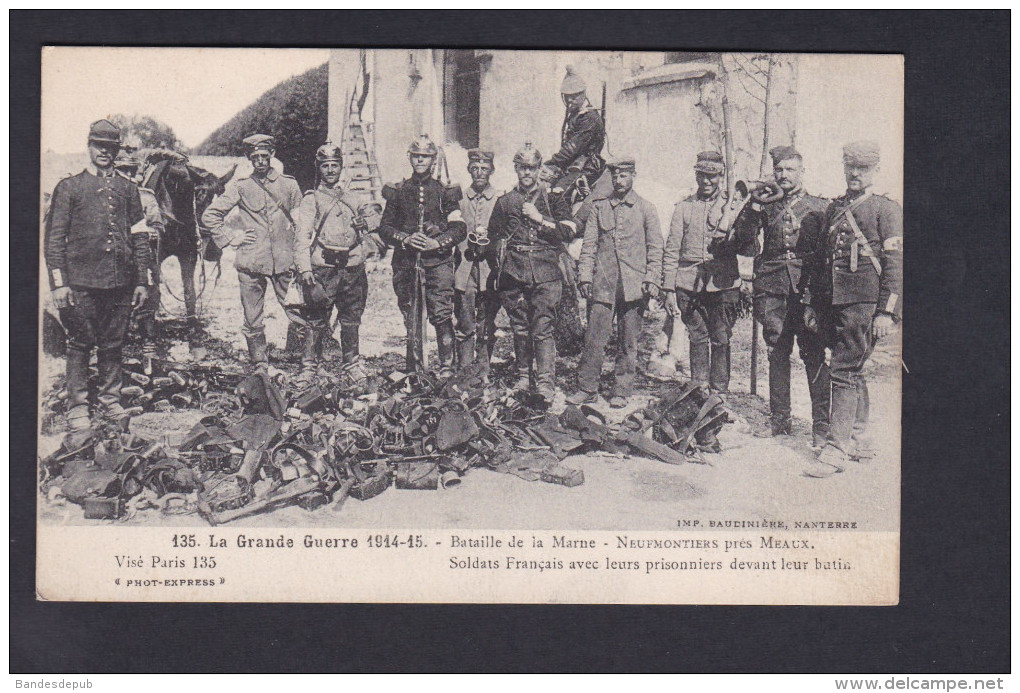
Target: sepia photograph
<point x="501" y="311"/>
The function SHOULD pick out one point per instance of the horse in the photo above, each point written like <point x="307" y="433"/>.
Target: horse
<point x="183" y="191"/>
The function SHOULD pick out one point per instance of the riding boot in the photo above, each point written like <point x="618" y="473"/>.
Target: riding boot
<point x="258" y="352"/>
<point x="779" y="394"/>
<point x="820" y="389"/>
<point x="859" y="447"/>
<point x="720" y="368"/>
<point x="522" y="353"/>
<point x="78" y="389"/>
<point x="466" y="351"/>
<point x="843" y="410"/>
<point x="108" y="362"/>
<point x="699" y="365"/>
<point x="445" y="346"/>
<point x="545" y="368"/>
<point x="311" y="352"/>
<point x="350" y="341"/>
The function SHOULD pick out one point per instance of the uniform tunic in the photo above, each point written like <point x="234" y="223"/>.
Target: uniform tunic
<point x="272" y="252"/>
<point x="476" y="304"/>
<point x="582" y="137"/>
<point x="690" y="260"/>
<point x="622" y="249"/>
<point x="777" y="302"/>
<point x="89" y="238"/>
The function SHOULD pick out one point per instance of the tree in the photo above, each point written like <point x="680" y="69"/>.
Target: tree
<point x="294" y="112"/>
<point x="145" y="132"/>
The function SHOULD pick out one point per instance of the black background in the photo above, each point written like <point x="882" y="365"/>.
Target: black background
<point x="954" y="600"/>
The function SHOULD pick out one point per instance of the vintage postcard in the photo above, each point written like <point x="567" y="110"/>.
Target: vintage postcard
<point x="492" y="326"/>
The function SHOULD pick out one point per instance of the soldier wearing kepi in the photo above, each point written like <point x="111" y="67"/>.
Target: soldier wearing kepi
<point x="423" y="222"/>
<point x="476" y="302"/>
<point x="97" y="253"/>
<point x="528" y="228"/>
<point x="330" y="257"/>
<point x="620" y="269"/>
<point x="777" y="298"/>
<point x="266" y="201"/>
<point x="700" y="276"/>
<point x="854" y="295"/>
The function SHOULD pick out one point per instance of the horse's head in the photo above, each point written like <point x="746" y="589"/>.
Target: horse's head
<point x="208" y="186"/>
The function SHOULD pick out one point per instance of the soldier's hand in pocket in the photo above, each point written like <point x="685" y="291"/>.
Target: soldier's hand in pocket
<point x="810" y="319"/>
<point x="584" y="288"/>
<point x="63" y="298"/>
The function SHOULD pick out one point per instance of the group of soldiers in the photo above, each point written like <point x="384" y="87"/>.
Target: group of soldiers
<point x="827" y="274"/>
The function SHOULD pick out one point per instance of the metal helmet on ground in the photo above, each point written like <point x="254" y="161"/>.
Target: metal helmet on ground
<point x="528" y="155"/>
<point x="423" y="146"/>
<point x="328" y="152"/>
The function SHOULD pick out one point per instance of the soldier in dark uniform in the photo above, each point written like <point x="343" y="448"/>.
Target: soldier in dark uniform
<point x="528" y="228"/>
<point x="853" y="295"/>
<point x="777" y="271"/>
<point x="265" y="202"/>
<point x="423" y="222"/>
<point x="329" y="254"/>
<point x="700" y="276"/>
<point x="98" y="257"/>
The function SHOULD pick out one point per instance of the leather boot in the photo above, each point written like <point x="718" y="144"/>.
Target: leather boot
<point x="522" y="353"/>
<point x="720" y="373"/>
<point x="258" y="352"/>
<point x="466" y="351"/>
<point x="833" y="457"/>
<point x="310" y="353"/>
<point x="545" y="369"/>
<point x="78" y="389"/>
<point x="820" y="389"/>
<point x="350" y="341"/>
<point x="779" y="394"/>
<point x="445" y="346"/>
<point x="110" y="379"/>
<point x="699" y="365"/>
<point x="859" y="447"/>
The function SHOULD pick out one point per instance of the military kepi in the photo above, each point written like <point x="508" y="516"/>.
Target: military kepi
<point x="864" y="153"/>
<point x="623" y="162"/>
<point x="255" y="143"/>
<point x="710" y="162"/>
<point x="104" y="131"/>
<point x="478" y="155"/>
<point x="783" y="153"/>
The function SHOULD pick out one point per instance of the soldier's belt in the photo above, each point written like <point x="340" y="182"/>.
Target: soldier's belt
<point x="787" y="255"/>
<point x="530" y="248"/>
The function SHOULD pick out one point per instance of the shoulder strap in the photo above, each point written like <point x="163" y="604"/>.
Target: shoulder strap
<point x="862" y="239"/>
<point x="275" y="201"/>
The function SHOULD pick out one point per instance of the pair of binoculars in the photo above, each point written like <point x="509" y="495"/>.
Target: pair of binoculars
<point x="480" y="236"/>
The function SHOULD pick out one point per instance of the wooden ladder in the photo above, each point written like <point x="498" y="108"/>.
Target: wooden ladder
<point x="361" y="170"/>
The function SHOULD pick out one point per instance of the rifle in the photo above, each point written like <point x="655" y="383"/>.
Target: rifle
<point x="418" y="304"/>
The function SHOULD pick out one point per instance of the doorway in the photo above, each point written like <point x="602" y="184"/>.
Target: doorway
<point x="462" y="88"/>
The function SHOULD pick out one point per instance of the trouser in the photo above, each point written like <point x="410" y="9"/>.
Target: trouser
<point x="347" y="289"/>
<point x="532" y="311"/>
<point x="847" y="329"/>
<point x="253" y="300"/>
<point x="476" y="310"/>
<point x="600" y="325"/>
<point x="146" y="313"/>
<point x="439" y="294"/>
<point x="709" y="317"/>
<point x="782" y="320"/>
<point x="99" y="318"/>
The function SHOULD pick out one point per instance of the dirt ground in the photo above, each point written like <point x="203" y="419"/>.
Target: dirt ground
<point x="754" y="477"/>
